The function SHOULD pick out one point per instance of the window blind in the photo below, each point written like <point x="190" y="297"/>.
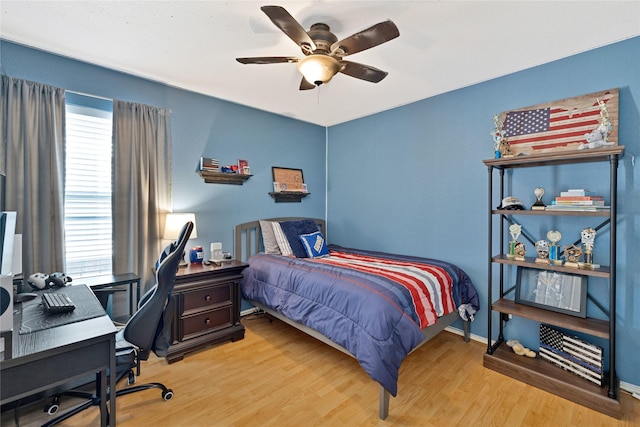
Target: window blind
<point x="88" y="190"/>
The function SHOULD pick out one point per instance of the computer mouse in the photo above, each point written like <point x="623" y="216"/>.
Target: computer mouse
<point x="25" y="296"/>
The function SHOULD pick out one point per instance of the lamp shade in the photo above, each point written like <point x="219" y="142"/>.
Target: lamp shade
<point x="318" y="69"/>
<point x="175" y="222"/>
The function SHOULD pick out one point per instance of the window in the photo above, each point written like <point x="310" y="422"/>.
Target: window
<point x="88" y="186"/>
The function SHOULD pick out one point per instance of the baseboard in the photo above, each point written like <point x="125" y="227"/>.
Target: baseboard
<point x="631" y="388"/>
<point x="460" y="332"/>
<point x="249" y="311"/>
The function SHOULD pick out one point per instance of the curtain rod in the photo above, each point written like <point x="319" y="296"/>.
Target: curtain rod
<point x="108" y="99"/>
<point x="88" y="94"/>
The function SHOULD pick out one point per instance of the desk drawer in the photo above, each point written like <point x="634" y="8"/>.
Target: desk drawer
<point x="206" y="322"/>
<point x="214" y="295"/>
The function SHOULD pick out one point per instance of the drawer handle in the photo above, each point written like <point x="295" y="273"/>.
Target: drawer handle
<point x="207" y="298"/>
<point x="207" y="321"/>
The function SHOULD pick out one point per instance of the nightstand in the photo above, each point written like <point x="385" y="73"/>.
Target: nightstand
<point x="207" y="307"/>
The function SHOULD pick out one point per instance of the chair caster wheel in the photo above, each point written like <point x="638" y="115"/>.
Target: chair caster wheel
<point x="53" y="407"/>
<point x="131" y="379"/>
<point x="167" y="395"/>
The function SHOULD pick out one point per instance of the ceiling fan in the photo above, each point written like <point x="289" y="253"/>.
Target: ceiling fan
<point x="323" y="52"/>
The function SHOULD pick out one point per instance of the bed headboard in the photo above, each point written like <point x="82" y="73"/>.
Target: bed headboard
<point x="247" y="236"/>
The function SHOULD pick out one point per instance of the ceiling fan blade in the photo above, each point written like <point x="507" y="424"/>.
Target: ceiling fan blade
<point x="305" y="85"/>
<point x="287" y="23"/>
<point x="365" y="39"/>
<point x="362" y="72"/>
<point x="268" y="60"/>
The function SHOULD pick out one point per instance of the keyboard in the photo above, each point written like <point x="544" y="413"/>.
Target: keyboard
<point x="57" y="303"/>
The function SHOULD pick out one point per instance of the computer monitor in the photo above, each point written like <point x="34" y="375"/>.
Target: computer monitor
<point x="7" y="236"/>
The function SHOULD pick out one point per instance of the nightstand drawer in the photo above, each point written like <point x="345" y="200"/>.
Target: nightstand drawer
<point x="207" y="321"/>
<point x="207" y="297"/>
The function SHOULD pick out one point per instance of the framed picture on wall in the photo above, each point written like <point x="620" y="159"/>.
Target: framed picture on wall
<point x="563" y="293"/>
<point x="289" y="179"/>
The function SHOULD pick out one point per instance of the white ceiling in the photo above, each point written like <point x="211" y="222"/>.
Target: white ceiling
<point x="443" y="45"/>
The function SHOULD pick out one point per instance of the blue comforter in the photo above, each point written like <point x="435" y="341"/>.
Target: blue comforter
<point x="370" y="310"/>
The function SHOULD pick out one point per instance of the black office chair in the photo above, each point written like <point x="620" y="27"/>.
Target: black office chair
<point x="144" y="332"/>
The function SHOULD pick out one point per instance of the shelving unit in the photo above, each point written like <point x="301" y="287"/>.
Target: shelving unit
<point x="223" y="178"/>
<point x="538" y="372"/>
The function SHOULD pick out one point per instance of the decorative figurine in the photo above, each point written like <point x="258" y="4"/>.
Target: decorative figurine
<point x="501" y="147"/>
<point x="572" y="255"/>
<point x="542" y="248"/>
<point x="588" y="236"/>
<point x="599" y="137"/>
<point x="516" y="249"/>
<point x="554" y="255"/>
<point x="538" y="205"/>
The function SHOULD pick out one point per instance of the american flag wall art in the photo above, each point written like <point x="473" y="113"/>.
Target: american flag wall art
<point x="559" y="125"/>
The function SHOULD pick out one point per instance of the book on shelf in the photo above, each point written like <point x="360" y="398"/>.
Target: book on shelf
<point x="578" y="202"/>
<point x="578" y="198"/>
<point x="576" y="192"/>
<point x="576" y="208"/>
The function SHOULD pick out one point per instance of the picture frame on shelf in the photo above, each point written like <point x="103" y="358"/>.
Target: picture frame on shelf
<point x="243" y="167"/>
<point x="289" y="179"/>
<point x="550" y="290"/>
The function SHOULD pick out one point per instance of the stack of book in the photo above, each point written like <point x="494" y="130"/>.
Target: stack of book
<point x="209" y="165"/>
<point x="577" y="200"/>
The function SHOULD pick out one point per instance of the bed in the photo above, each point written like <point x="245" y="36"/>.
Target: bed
<point x="370" y="305"/>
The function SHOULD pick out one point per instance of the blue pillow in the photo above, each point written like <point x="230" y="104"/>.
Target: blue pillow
<point x="293" y="229"/>
<point x="314" y="244"/>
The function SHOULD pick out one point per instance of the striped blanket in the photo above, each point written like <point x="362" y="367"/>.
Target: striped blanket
<point x="429" y="285"/>
<point x="373" y="304"/>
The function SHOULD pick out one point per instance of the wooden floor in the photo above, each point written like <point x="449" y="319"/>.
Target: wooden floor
<point x="278" y="376"/>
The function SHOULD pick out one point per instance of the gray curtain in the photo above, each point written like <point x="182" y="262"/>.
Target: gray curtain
<point x="142" y="186"/>
<point x="32" y="117"/>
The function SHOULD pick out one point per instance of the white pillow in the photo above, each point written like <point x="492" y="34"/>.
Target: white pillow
<point x="269" y="238"/>
<point x="283" y="243"/>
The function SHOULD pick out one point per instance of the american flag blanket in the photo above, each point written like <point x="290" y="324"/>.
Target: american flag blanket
<point x="373" y="304"/>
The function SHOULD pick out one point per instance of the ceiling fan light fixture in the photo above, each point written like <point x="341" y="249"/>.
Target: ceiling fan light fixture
<point x="318" y="69"/>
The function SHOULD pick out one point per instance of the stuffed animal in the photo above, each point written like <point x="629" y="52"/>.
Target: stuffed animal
<point x="521" y="350"/>
<point x="597" y="138"/>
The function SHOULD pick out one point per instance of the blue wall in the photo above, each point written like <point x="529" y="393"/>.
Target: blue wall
<point x="411" y="180"/>
<point x="201" y="126"/>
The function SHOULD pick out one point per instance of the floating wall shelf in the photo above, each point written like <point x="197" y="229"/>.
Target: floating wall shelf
<point x="288" y="196"/>
<point x="223" y="178"/>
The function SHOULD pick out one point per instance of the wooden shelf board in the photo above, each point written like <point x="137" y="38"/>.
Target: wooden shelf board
<point x="602" y="271"/>
<point x="600" y="213"/>
<point x="591" y="326"/>
<point x="548" y="377"/>
<point x="288" y="196"/>
<point x="560" y="157"/>
<point x="223" y="178"/>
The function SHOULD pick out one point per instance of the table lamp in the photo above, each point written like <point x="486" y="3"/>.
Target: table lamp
<point x="173" y="225"/>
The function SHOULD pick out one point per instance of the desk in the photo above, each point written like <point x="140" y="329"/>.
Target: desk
<point x="52" y="357"/>
<point x="114" y="280"/>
